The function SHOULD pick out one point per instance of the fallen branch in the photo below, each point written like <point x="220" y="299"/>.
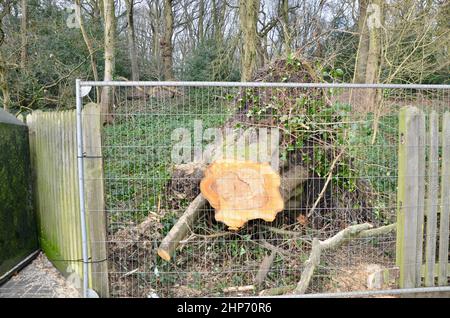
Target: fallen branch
<point x="238" y="289"/>
<point x="310" y="265"/>
<point x="208" y="236"/>
<point x="382" y="230"/>
<point x="274" y="248"/>
<point x="351" y="232"/>
<point x="264" y="268"/>
<point x="181" y="228"/>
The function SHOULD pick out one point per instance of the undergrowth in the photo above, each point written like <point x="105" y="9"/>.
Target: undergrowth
<point x="137" y="150"/>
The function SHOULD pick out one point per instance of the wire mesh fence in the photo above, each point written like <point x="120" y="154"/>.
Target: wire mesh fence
<point x="156" y="144"/>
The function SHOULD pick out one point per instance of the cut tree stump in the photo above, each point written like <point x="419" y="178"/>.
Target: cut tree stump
<point x="241" y="191"/>
<point x="290" y="180"/>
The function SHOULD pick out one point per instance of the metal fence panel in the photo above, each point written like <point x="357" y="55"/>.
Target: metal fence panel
<point x="347" y="143"/>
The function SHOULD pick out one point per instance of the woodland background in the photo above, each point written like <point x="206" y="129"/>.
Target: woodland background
<point x="46" y="44"/>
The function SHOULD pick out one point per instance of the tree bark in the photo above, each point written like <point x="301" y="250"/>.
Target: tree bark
<point x="24" y="37"/>
<point x="248" y="17"/>
<point x="285" y="24"/>
<point x="110" y="28"/>
<point x="88" y="43"/>
<point x="363" y="45"/>
<point x="166" y="41"/>
<point x="181" y="228"/>
<point x="218" y="17"/>
<point x="4" y="86"/>
<point x="201" y="21"/>
<point x="155" y="19"/>
<point x="132" y="40"/>
<point x="373" y="58"/>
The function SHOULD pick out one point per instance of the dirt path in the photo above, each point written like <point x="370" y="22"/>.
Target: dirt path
<point x="40" y="279"/>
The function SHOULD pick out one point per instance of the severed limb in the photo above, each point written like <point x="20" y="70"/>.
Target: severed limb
<point x="179" y="231"/>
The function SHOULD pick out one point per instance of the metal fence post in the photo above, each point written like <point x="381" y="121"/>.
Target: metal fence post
<point x="81" y="188"/>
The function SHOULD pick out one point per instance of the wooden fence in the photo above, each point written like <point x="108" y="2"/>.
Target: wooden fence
<point x="423" y="198"/>
<point x="53" y="150"/>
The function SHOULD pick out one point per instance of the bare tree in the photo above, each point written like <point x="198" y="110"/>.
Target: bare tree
<point x="132" y="40"/>
<point x="88" y="42"/>
<point x="166" y="41"/>
<point x="284" y="14"/>
<point x="201" y="20"/>
<point x="155" y="16"/>
<point x="4" y="86"/>
<point x="110" y="28"/>
<point x="363" y="44"/>
<point x="248" y="17"/>
<point x="24" y="36"/>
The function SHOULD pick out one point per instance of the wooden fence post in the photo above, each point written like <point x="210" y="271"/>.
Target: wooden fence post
<point x="432" y="196"/>
<point x="95" y="205"/>
<point x="410" y="200"/>
<point x="445" y="202"/>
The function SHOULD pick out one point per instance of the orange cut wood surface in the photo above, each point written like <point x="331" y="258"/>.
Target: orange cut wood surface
<point x="241" y="191"/>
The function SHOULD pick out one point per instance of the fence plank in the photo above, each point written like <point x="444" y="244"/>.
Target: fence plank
<point x="57" y="183"/>
<point x="408" y="189"/>
<point x="420" y="174"/>
<point x="67" y="203"/>
<point x="445" y="202"/>
<point x="432" y="195"/>
<point x="73" y="188"/>
<point x="95" y="206"/>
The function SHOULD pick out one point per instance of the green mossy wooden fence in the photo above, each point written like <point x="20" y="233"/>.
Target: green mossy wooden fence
<point x="54" y="161"/>
<point x="423" y="198"/>
<point x="18" y="236"/>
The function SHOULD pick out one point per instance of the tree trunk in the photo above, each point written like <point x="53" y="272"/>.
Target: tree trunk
<point x="374" y="50"/>
<point x="88" y="43"/>
<point x="201" y="20"/>
<point x="132" y="40"/>
<point x="373" y="58"/>
<point x="363" y="46"/>
<point x="110" y="28"/>
<point x="4" y="87"/>
<point x="155" y="18"/>
<point x="285" y="24"/>
<point x="248" y="16"/>
<point x="218" y="16"/>
<point x="166" y="41"/>
<point x="23" y="32"/>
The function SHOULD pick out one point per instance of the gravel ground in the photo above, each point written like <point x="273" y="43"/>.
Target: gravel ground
<point x="40" y="279"/>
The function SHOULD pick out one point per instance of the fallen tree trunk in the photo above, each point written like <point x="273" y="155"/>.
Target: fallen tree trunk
<point x="290" y="180"/>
